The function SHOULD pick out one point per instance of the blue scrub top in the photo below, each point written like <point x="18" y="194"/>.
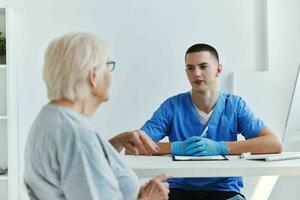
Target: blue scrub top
<point x="178" y="119"/>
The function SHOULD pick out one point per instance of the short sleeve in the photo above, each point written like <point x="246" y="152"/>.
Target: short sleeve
<point x="248" y="124"/>
<point x="159" y="124"/>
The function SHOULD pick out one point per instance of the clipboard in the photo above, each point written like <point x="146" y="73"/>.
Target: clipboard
<point x="199" y="158"/>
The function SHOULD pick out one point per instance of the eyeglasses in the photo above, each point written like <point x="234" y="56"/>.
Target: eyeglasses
<point x="111" y="65"/>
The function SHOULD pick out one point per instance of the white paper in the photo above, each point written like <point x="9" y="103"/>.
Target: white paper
<point x="273" y="157"/>
<point x="203" y="158"/>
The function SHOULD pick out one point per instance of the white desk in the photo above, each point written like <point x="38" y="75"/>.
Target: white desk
<point x="150" y="166"/>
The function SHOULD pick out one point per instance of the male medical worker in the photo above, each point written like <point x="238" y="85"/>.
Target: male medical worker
<point x="203" y="122"/>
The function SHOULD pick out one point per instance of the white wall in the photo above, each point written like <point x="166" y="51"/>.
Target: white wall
<point x="284" y="56"/>
<point x="3" y="187"/>
<point x="148" y="40"/>
<point x="269" y="93"/>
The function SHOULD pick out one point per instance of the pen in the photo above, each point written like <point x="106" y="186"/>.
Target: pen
<point x="203" y="134"/>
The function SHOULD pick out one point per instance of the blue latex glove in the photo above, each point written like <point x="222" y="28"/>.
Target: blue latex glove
<point x="180" y="147"/>
<point x="207" y="147"/>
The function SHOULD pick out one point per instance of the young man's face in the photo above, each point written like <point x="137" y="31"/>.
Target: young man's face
<point x="202" y="70"/>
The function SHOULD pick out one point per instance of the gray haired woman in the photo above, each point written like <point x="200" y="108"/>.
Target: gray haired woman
<point x="64" y="157"/>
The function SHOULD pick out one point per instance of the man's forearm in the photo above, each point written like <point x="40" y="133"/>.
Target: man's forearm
<point x="261" y="144"/>
<point x="265" y="142"/>
<point x="164" y="149"/>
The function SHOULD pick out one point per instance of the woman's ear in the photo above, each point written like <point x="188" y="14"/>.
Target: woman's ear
<point x="92" y="78"/>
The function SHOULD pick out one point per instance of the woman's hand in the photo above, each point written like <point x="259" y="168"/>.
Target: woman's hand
<point x="155" y="189"/>
<point x="135" y="142"/>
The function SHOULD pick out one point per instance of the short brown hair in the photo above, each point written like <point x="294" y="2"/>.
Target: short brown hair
<point x="202" y="47"/>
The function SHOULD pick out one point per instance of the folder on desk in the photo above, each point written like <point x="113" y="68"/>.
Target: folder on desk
<point x="198" y="158"/>
<point x="273" y="157"/>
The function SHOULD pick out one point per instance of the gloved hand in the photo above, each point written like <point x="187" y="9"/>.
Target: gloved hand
<point x="180" y="147"/>
<point x="206" y="147"/>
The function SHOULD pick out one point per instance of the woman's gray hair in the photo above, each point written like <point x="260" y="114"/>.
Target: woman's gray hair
<point x="68" y="60"/>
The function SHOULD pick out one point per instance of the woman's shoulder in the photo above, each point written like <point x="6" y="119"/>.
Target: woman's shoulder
<point x="59" y="125"/>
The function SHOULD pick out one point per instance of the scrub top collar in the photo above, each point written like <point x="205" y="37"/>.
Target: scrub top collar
<point x="215" y="116"/>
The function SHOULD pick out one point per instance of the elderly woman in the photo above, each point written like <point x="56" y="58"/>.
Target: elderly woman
<point x="64" y="157"/>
